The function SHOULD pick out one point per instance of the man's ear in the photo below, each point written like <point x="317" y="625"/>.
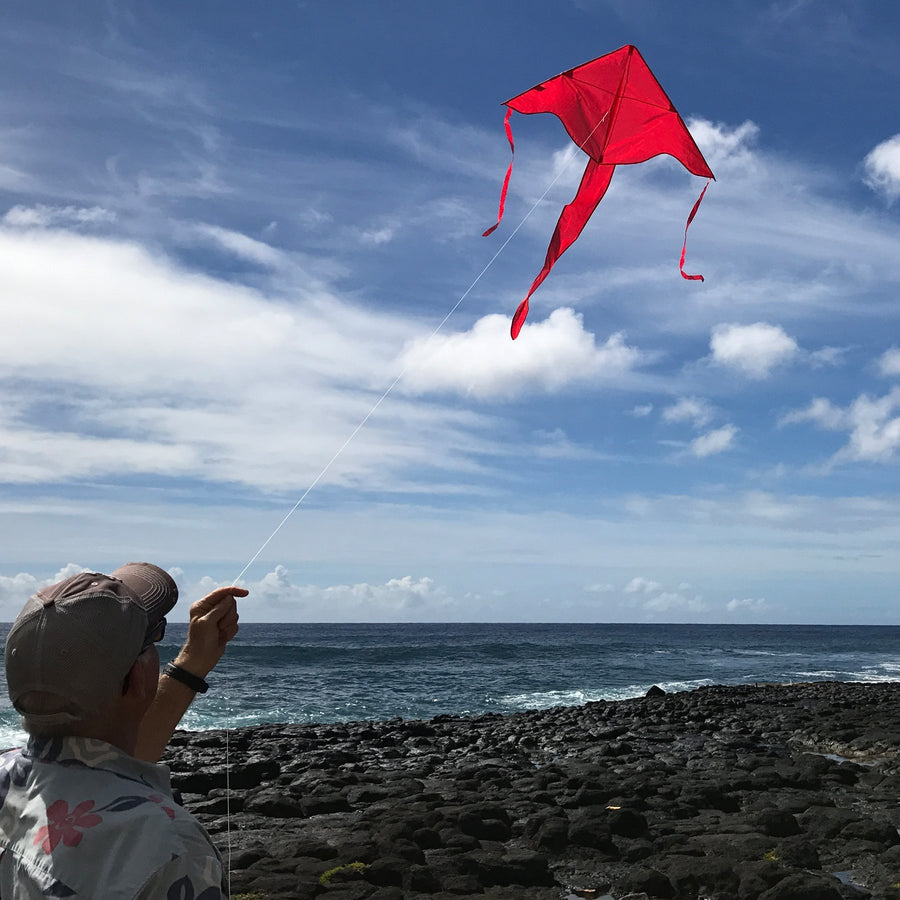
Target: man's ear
<point x="142" y="678"/>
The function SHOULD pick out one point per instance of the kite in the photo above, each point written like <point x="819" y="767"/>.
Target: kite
<point x="616" y="111"/>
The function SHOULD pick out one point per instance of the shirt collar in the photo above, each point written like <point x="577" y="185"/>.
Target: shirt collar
<point x="95" y="754"/>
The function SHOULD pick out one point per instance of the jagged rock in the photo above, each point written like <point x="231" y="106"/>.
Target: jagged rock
<point x="724" y="792"/>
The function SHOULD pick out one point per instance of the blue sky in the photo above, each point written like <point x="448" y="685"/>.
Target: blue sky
<point x="227" y="228"/>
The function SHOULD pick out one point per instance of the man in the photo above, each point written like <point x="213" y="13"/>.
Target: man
<point x="85" y="810"/>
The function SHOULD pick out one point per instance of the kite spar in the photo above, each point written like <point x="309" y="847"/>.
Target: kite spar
<point x="616" y="111"/>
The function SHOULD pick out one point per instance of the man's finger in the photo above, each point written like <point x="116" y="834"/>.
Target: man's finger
<point x="214" y="598"/>
<point x="227" y="606"/>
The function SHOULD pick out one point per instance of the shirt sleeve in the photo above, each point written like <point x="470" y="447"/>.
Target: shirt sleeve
<point x="187" y="877"/>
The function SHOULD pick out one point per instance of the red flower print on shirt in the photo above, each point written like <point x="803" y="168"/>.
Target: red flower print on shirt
<point x="156" y="798"/>
<point x="65" y="826"/>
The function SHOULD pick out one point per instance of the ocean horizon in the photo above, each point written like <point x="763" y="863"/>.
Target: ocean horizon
<point x="304" y="673"/>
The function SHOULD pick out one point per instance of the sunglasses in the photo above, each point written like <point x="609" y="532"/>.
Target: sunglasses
<point x="154" y="635"/>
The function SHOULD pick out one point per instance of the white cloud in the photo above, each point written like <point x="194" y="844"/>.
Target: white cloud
<point x="153" y="368"/>
<point x="42" y="216"/>
<point x="653" y="598"/>
<point x="16" y="589"/>
<point x="763" y="505"/>
<point x="689" y="409"/>
<point x="821" y="411"/>
<point x="716" y="441"/>
<point x="874" y="430"/>
<point x="882" y="168"/>
<point x="557" y="445"/>
<point x="377" y="236"/>
<point x="747" y="604"/>
<point x="241" y="245"/>
<point x="483" y="362"/>
<point x="753" y="350"/>
<point x="827" y="357"/>
<point x="397" y="599"/>
<point x="669" y="601"/>
<point x="641" y="585"/>
<point x="723" y="147"/>
<point x="642" y="411"/>
<point x="599" y="588"/>
<point x="889" y="362"/>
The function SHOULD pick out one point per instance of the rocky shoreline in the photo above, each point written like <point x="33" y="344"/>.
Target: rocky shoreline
<point x="758" y="792"/>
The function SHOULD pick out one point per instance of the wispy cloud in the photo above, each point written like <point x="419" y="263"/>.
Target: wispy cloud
<point x="695" y="410"/>
<point x="165" y="370"/>
<point x="716" y="441"/>
<point x="42" y="216"/>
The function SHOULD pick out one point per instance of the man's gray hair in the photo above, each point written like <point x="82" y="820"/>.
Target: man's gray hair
<point x="49" y="715"/>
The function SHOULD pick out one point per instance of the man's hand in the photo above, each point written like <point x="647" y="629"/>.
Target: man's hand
<point x="214" y="622"/>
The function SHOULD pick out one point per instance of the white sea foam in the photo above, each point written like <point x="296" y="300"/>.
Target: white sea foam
<point x="11" y="736"/>
<point x="547" y="699"/>
<point x="577" y="697"/>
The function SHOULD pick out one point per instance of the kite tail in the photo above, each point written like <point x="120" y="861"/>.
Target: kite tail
<point x="505" y="187"/>
<point x="690" y="219"/>
<point x="572" y="220"/>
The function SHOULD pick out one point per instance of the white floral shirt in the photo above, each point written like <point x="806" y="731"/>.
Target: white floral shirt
<point x="80" y="818"/>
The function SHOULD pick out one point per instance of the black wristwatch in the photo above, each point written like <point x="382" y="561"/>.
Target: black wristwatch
<point x="192" y="681"/>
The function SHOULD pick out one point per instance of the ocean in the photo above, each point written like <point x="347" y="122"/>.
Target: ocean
<point x="328" y="673"/>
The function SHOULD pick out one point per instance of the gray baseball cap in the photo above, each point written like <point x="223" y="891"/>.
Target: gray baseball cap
<point x="76" y="640"/>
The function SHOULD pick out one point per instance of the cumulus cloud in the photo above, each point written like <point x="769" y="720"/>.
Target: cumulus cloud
<point x="747" y="605"/>
<point x="889" y="362"/>
<point x="484" y="363"/>
<point x="154" y="368"/>
<point x="873" y="428"/>
<point x="671" y="601"/>
<point x="276" y="596"/>
<point x="696" y="411"/>
<point x="821" y="411"/>
<point x="654" y="598"/>
<point x="641" y="585"/>
<point x="723" y="146"/>
<point x="716" y="441"/>
<point x="16" y="589"/>
<point x="754" y="350"/>
<point x="599" y="588"/>
<point x="881" y="168"/>
<point x="397" y="599"/>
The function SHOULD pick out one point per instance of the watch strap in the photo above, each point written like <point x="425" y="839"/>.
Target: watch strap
<point x="192" y="681"/>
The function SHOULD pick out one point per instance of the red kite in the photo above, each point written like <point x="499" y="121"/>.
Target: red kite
<point x="615" y="110"/>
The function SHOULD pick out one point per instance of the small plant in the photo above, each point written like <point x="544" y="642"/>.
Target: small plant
<point x="770" y="856"/>
<point x="354" y="867"/>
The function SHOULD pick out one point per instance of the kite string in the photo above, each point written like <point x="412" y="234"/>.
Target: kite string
<point x="409" y="365"/>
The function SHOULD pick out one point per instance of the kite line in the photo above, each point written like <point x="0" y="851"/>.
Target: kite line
<point x="362" y="424"/>
<point x="410" y="365"/>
